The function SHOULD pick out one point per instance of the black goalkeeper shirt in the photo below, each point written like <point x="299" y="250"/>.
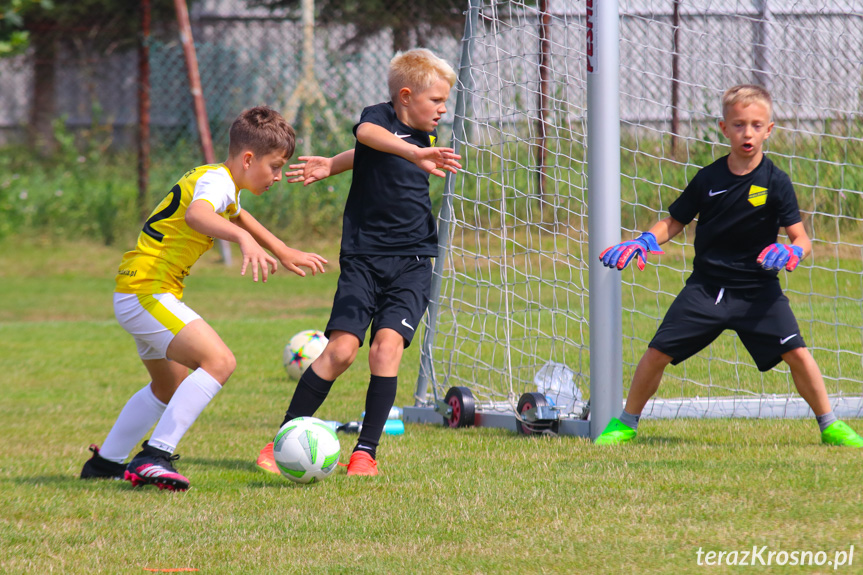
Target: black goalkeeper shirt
<point x="738" y="216"/>
<point x="388" y="210"/>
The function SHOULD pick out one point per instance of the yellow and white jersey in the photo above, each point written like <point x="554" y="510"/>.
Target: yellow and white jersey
<point x="167" y="247"/>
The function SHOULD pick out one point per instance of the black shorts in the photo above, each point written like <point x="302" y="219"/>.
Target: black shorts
<point x="384" y="291"/>
<point x="762" y="317"/>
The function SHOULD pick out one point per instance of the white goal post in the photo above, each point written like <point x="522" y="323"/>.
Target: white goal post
<point x="579" y="122"/>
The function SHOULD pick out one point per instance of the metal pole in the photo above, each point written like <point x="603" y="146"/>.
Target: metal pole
<point x="675" y="77"/>
<point x="544" y="25"/>
<point x="762" y="71"/>
<point x="195" y="80"/>
<point x="308" y="90"/>
<point x="308" y="68"/>
<point x="198" y="99"/>
<point x="144" y="110"/>
<point x="463" y="88"/>
<point x="603" y="184"/>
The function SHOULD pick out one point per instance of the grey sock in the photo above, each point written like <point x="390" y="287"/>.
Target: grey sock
<point x="826" y="420"/>
<point x="629" y="419"/>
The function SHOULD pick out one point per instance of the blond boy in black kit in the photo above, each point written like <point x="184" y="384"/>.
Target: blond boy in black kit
<point x="389" y="236"/>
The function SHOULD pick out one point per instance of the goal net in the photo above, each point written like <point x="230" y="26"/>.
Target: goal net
<point x="511" y="296"/>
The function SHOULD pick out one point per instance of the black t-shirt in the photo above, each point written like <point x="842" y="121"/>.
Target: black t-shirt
<point x="738" y="216"/>
<point x="388" y="209"/>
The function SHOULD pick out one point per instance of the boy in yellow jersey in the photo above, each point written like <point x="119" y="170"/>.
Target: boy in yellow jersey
<point x="389" y="237"/>
<point x="171" y="338"/>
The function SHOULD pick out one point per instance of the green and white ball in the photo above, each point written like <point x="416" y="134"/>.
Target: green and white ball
<point x="306" y="450"/>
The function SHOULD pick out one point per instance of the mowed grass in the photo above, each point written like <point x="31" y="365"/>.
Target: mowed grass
<point x="447" y="501"/>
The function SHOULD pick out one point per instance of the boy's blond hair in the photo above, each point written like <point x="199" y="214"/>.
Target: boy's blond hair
<point x="261" y="130"/>
<point x="746" y="94"/>
<point x="417" y="69"/>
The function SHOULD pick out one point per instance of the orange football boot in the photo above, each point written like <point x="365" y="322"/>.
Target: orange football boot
<point x="362" y="463"/>
<point x="266" y="461"/>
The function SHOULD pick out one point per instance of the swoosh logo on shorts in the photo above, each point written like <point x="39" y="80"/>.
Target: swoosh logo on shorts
<point x="410" y="327"/>
<point x="784" y="340"/>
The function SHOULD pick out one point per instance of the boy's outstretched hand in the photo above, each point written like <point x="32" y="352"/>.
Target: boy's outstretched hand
<point x="778" y="256"/>
<point x="257" y="257"/>
<point x="435" y="160"/>
<point x="292" y="259"/>
<point x="313" y="169"/>
<point x="620" y="255"/>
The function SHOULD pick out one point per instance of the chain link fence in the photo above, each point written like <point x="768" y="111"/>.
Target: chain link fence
<point x="247" y="55"/>
<point x="77" y="88"/>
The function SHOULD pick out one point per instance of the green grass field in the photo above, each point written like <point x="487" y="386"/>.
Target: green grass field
<point x="447" y="501"/>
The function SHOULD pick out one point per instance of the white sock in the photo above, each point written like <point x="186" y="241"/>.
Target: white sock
<point x="137" y="417"/>
<point x="188" y="402"/>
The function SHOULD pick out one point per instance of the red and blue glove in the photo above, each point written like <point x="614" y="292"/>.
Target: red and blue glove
<point x="778" y="256"/>
<point x="620" y="255"/>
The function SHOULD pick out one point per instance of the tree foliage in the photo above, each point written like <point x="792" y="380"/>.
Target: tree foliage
<point x="13" y="36"/>
<point x="45" y="28"/>
<point x="22" y="20"/>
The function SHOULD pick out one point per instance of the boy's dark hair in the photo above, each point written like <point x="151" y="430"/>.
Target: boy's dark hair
<point x="261" y="130"/>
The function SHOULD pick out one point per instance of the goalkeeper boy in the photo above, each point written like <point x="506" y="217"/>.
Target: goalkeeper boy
<point x="741" y="201"/>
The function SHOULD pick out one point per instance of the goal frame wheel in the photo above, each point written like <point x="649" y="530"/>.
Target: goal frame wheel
<point x="533" y="401"/>
<point x="462" y="407"/>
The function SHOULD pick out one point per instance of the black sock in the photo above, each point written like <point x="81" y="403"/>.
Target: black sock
<point x="373" y="451"/>
<point x="310" y="394"/>
<point x="379" y="399"/>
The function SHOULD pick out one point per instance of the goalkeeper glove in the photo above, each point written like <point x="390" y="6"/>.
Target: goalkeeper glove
<point x="777" y="256"/>
<point x="620" y="255"/>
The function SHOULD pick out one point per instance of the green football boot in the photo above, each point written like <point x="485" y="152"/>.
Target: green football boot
<point x="839" y="433"/>
<point x="616" y="433"/>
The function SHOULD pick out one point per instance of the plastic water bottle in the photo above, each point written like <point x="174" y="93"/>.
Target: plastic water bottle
<point x="394" y="427"/>
<point x="334" y="425"/>
<point x="395" y="413"/>
<point x="351" y="427"/>
<point x="391" y="427"/>
<point x="554" y="380"/>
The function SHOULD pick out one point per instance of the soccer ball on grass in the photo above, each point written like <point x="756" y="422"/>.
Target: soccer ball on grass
<point x="302" y="350"/>
<point x="306" y="450"/>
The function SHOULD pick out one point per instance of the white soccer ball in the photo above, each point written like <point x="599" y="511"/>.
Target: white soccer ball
<point x="306" y="450"/>
<point x="302" y="350"/>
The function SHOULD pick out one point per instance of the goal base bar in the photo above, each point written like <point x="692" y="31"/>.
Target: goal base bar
<point x="413" y="414"/>
<point x="774" y="407"/>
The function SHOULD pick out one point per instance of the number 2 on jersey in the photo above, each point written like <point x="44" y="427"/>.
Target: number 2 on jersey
<point x="166" y="212"/>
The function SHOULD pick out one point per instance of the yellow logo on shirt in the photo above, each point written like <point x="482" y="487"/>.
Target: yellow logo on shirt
<point x="432" y="140"/>
<point x="757" y="196"/>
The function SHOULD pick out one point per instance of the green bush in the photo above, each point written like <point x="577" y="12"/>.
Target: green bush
<point x="89" y="190"/>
